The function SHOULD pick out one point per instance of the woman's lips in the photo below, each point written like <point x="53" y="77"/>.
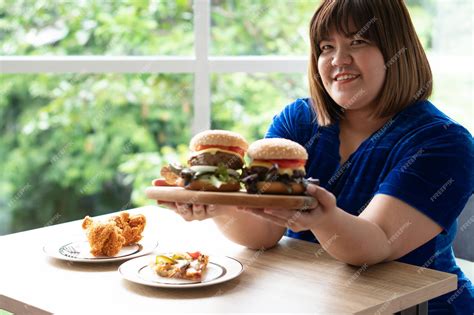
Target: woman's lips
<point x="345" y="79"/>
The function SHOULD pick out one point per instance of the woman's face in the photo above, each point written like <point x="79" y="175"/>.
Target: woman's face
<point x="352" y="70"/>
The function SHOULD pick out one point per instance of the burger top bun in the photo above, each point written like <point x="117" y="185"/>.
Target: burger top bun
<point x="218" y="137"/>
<point x="276" y="149"/>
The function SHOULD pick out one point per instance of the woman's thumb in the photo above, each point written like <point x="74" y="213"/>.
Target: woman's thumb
<point x="324" y="197"/>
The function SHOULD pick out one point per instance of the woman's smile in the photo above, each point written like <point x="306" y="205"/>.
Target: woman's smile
<point x="345" y="78"/>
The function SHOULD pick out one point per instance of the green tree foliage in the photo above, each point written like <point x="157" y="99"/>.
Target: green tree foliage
<point x="246" y="103"/>
<point x="96" y="27"/>
<point x="80" y="144"/>
<point x="88" y="144"/>
<point x="75" y="144"/>
<point x="261" y="27"/>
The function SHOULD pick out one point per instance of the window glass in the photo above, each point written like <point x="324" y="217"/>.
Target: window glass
<point x="246" y="103"/>
<point x="264" y="27"/>
<point x="96" y="27"/>
<point x="76" y="145"/>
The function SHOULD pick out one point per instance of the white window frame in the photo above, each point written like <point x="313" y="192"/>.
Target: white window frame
<point x="201" y="65"/>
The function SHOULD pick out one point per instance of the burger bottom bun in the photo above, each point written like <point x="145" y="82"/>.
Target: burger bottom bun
<point x="207" y="186"/>
<point x="280" y="189"/>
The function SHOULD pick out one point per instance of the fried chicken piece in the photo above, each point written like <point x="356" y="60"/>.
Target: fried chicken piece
<point x="104" y="238"/>
<point x="107" y="238"/>
<point x="131" y="226"/>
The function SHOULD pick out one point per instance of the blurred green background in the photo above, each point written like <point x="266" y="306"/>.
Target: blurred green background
<point x="87" y="144"/>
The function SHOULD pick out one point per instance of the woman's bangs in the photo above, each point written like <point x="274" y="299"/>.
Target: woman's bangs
<point x="347" y="18"/>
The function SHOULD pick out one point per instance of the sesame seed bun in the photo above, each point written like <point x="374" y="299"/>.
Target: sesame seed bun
<point x="276" y="149"/>
<point x="218" y="137"/>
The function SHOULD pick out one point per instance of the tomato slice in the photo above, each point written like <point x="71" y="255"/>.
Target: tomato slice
<point x="195" y="255"/>
<point x="237" y="150"/>
<point x="285" y="163"/>
<point x="160" y="182"/>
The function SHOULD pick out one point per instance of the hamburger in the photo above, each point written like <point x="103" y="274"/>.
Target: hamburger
<point x="215" y="162"/>
<point x="277" y="166"/>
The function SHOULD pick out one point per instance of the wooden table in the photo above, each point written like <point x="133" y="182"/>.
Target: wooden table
<point x="294" y="277"/>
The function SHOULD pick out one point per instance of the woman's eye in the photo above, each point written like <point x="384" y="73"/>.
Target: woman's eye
<point x="358" y="42"/>
<point x="325" y="47"/>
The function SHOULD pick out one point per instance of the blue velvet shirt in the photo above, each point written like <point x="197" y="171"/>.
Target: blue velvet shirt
<point x="419" y="156"/>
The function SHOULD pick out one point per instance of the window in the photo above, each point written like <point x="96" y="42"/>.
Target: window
<point x="84" y="144"/>
<point x="89" y="27"/>
<point x="95" y="95"/>
<point x="247" y="102"/>
<point x="248" y="27"/>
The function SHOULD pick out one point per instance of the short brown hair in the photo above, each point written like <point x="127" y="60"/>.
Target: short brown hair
<point x="387" y="24"/>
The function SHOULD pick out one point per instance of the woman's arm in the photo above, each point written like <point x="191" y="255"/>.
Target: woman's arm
<point x="352" y="239"/>
<point x="386" y="230"/>
<point x="238" y="226"/>
<point x="247" y="230"/>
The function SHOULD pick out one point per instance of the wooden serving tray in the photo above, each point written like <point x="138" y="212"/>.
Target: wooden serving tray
<point x="239" y="198"/>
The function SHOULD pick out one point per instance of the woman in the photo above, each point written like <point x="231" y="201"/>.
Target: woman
<point x="395" y="172"/>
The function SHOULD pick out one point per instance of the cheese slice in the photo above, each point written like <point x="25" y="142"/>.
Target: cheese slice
<point x="289" y="171"/>
<point x="281" y="170"/>
<point x="214" y="151"/>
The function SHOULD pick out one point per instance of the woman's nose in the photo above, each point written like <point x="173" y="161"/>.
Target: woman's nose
<point x="341" y="58"/>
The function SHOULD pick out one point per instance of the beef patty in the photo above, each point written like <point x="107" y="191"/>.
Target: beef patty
<point x="229" y="160"/>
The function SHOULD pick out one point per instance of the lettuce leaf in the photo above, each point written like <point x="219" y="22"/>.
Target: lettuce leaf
<point x="215" y="181"/>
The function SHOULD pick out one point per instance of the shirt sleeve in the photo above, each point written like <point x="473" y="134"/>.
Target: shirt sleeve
<point x="436" y="175"/>
<point x="294" y="122"/>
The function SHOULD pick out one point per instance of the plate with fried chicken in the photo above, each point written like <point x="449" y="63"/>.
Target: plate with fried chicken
<point x="116" y="238"/>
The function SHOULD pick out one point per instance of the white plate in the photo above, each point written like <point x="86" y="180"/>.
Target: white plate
<point x="219" y="269"/>
<point x="79" y="251"/>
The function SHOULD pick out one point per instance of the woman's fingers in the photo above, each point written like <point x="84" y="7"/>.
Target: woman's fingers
<point x="324" y="197"/>
<point x="295" y="220"/>
<point x="191" y="212"/>
<point x="200" y="212"/>
<point x="165" y="204"/>
<point x="246" y="209"/>
<point x="263" y="215"/>
<point x="211" y="210"/>
<point x="285" y="214"/>
<point x="185" y="210"/>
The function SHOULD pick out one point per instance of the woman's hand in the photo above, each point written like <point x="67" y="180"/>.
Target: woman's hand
<point x="188" y="211"/>
<point x="301" y="219"/>
<point x="192" y="212"/>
